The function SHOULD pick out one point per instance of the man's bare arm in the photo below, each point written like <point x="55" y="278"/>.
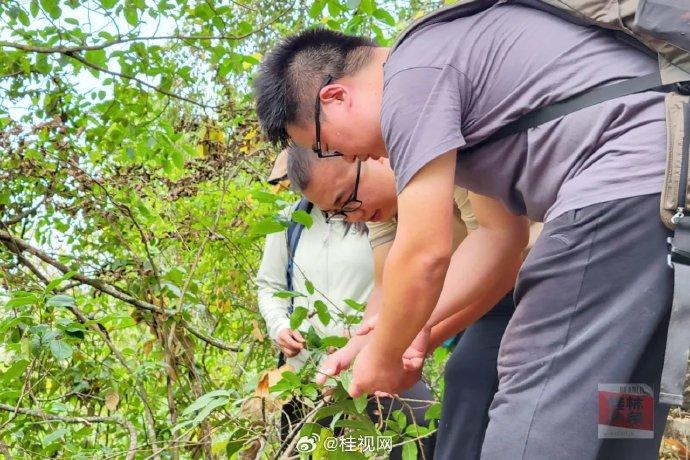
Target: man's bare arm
<point x="417" y="262"/>
<point x="485" y="265"/>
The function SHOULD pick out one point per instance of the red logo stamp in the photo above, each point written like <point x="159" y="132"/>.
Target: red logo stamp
<point x="626" y="411"/>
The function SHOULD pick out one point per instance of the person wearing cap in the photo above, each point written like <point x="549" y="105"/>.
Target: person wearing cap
<point x="337" y="259"/>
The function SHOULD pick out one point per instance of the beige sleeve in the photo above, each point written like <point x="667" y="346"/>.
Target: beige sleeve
<point x="381" y="232"/>
<point x="462" y="201"/>
<point x="535" y="229"/>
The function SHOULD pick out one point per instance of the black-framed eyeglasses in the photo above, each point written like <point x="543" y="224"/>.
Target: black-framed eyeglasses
<point x="352" y="204"/>
<point x="317" y="121"/>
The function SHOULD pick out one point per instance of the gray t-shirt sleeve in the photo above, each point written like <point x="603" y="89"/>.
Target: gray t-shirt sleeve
<point x="421" y="116"/>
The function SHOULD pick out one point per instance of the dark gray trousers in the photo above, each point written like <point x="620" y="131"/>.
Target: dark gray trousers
<point x="593" y="300"/>
<point x="471" y="381"/>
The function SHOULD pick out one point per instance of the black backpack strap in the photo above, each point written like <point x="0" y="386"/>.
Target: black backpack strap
<point x="294" y="232"/>
<point x="588" y="98"/>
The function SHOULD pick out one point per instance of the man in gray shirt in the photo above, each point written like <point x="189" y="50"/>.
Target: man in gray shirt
<point x="593" y="296"/>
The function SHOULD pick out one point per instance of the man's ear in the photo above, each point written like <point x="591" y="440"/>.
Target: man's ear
<point x="333" y="93"/>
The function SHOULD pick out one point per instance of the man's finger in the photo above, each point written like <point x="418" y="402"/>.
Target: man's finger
<point x="354" y="390"/>
<point x="289" y="352"/>
<point x="331" y="367"/>
<point x="289" y="346"/>
<point x="292" y="343"/>
<point x="367" y="326"/>
<point x="323" y="374"/>
<point x="412" y="364"/>
<point x="297" y="336"/>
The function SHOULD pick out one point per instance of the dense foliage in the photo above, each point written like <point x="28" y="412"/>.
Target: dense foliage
<point x="131" y="220"/>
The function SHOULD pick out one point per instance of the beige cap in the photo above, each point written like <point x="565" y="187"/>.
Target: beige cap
<point x="279" y="171"/>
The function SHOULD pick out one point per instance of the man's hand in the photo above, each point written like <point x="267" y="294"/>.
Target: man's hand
<point x="337" y="362"/>
<point x="413" y="358"/>
<point x="290" y="342"/>
<point x="373" y="374"/>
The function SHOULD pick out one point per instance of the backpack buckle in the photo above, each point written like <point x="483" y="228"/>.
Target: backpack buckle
<point x="683" y="87"/>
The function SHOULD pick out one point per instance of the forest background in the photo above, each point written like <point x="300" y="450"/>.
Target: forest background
<point x="132" y="217"/>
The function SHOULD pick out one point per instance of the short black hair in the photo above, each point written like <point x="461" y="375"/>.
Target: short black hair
<point x="289" y="76"/>
<point x="299" y="166"/>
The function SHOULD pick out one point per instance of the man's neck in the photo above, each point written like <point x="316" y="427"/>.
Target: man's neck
<point x="370" y="79"/>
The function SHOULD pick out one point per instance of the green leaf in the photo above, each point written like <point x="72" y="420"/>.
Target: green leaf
<point x="302" y="217"/>
<point x="14" y="370"/>
<point x="60" y="349"/>
<point x="23" y="17"/>
<point x="25" y="299"/>
<point x="309" y="428"/>
<point x="310" y="391"/>
<point x="334" y="7"/>
<point x="97" y="57"/>
<point x="345" y="455"/>
<point x="51" y="7"/>
<point x="353" y="4"/>
<point x="433" y="412"/>
<point x="313" y="339"/>
<point x="54" y="436"/>
<point x="210" y="407"/>
<point x="322" y="312"/>
<point x="61" y="301"/>
<point x="334" y="341"/>
<point x="298" y="315"/>
<point x="316" y="9"/>
<point x="57" y="281"/>
<point x="355" y="305"/>
<point x="361" y="402"/>
<point x="287" y="294"/>
<point x="267" y="226"/>
<point x="244" y="28"/>
<point x="384" y="16"/>
<point x="346" y="378"/>
<point x="178" y="158"/>
<point x="368" y="6"/>
<point x="264" y="197"/>
<point x="205" y="399"/>
<point x="310" y="287"/>
<point x="289" y="381"/>
<point x="232" y="447"/>
<point x="34" y="8"/>
<point x="108" y="3"/>
<point x="131" y="16"/>
<point x="409" y="451"/>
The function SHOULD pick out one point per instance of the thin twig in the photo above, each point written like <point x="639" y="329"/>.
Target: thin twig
<point x="17" y="246"/>
<point x="87" y="420"/>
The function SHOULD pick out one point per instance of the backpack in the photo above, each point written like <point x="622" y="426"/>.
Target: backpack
<point x="660" y="28"/>
<point x="293" y="234"/>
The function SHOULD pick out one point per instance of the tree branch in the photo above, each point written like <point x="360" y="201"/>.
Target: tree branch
<point x="17" y="246"/>
<point x="21" y="216"/>
<point x="77" y="57"/>
<point x="119" y="41"/>
<point x="82" y="419"/>
<point x="74" y="53"/>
